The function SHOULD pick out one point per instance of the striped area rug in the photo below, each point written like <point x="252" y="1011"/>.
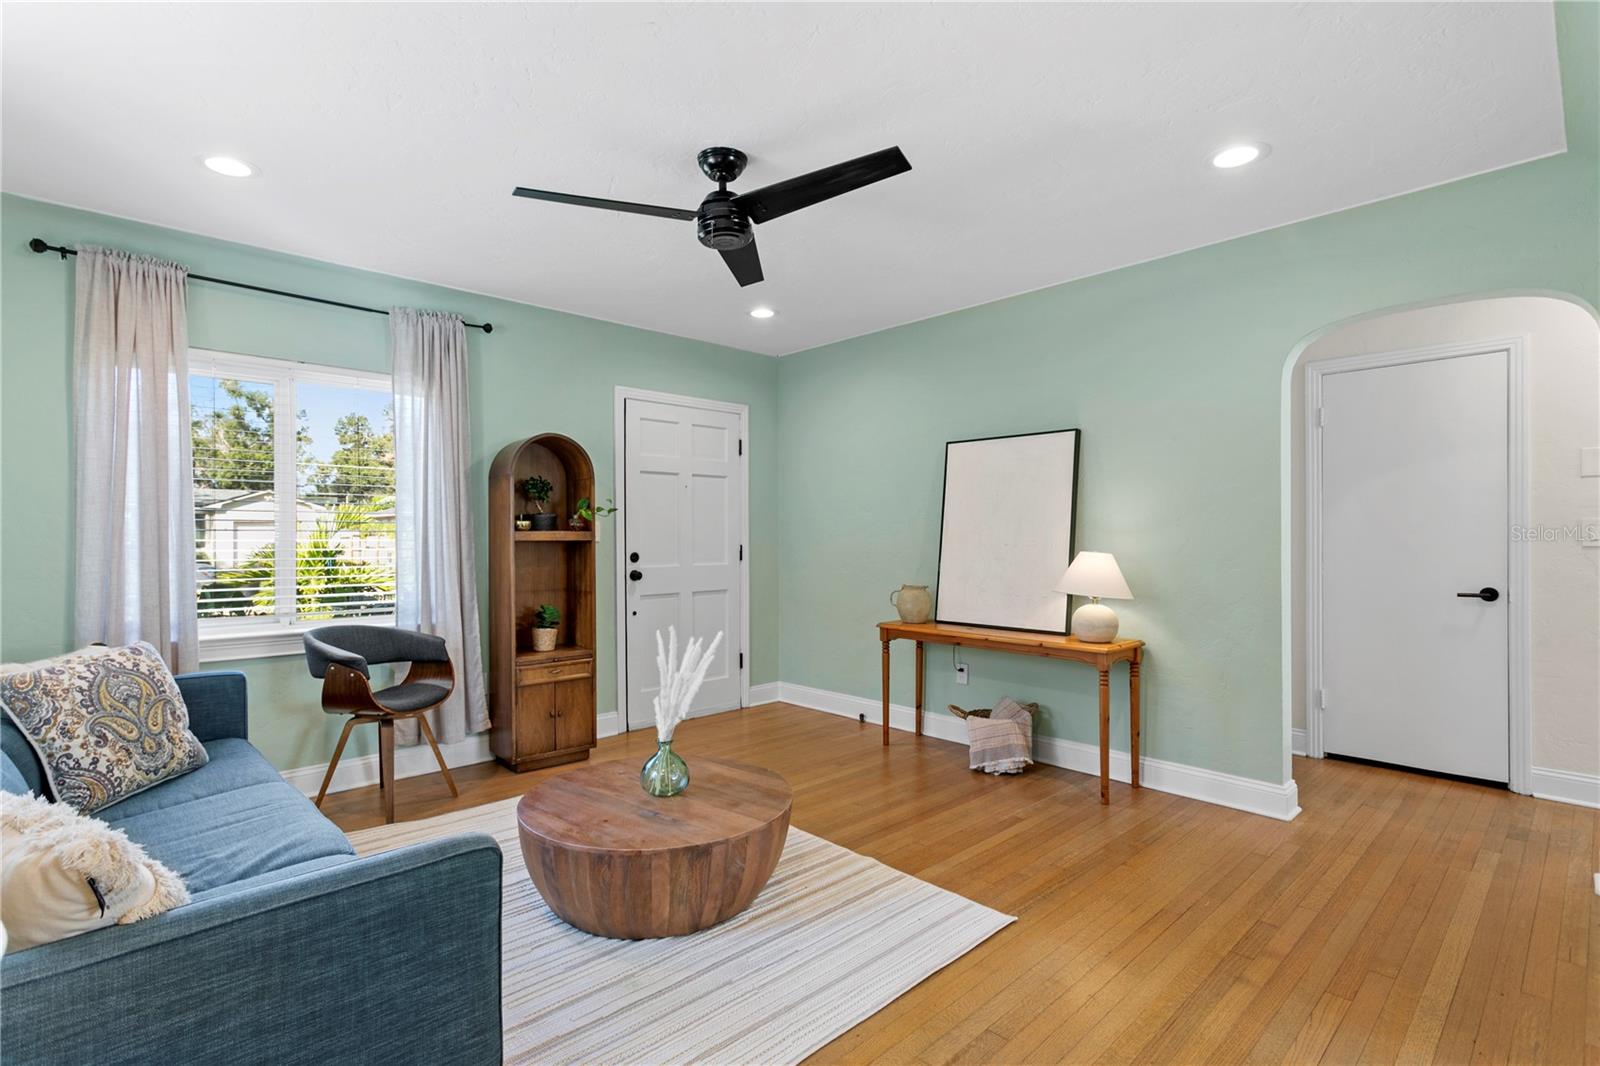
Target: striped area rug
<point x="834" y="938"/>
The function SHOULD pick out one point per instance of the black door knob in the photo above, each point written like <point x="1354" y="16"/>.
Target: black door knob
<point x="1486" y="594"/>
<point x="634" y="575"/>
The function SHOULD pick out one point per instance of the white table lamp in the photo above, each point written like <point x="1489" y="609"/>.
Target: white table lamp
<point x="1094" y="574"/>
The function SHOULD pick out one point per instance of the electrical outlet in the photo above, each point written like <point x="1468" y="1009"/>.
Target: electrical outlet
<point x="961" y="674"/>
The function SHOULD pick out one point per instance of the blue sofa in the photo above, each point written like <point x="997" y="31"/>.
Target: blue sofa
<point x="292" y="950"/>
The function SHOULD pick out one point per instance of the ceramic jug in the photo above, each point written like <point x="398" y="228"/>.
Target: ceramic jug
<point x="913" y="603"/>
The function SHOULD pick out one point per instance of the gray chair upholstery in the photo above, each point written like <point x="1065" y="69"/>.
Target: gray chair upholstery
<point x="342" y="656"/>
<point x="360" y="646"/>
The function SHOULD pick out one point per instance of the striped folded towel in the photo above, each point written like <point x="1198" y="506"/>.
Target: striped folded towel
<point x="1003" y="742"/>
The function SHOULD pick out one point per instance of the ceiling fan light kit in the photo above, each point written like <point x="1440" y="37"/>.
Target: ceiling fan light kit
<point x="725" y="221"/>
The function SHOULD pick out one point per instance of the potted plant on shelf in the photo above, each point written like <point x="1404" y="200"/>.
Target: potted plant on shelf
<point x="536" y="490"/>
<point x="545" y="622"/>
<point x="586" y="514"/>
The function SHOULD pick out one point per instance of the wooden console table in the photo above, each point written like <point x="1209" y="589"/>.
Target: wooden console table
<point x="1045" y="645"/>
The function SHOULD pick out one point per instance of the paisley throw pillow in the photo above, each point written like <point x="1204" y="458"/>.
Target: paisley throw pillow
<point x="105" y="722"/>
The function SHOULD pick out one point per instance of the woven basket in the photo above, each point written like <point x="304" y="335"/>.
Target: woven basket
<point x="984" y="712"/>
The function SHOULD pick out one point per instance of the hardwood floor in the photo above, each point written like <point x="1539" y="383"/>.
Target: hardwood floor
<point x="1399" y="918"/>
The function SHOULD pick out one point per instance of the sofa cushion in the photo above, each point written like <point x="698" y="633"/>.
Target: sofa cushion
<point x="21" y="757"/>
<point x="234" y="818"/>
<point x="230" y="764"/>
<point x="11" y="779"/>
<point x="299" y="869"/>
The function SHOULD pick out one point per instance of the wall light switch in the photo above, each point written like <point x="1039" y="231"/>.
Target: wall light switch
<point x="1589" y="462"/>
<point x="961" y="674"/>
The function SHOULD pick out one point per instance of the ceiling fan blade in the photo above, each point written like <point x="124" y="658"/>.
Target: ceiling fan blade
<point x="771" y="201"/>
<point x="745" y="263"/>
<point x="609" y="205"/>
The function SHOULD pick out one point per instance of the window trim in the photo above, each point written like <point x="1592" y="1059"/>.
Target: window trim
<point x="265" y="638"/>
<point x="227" y="639"/>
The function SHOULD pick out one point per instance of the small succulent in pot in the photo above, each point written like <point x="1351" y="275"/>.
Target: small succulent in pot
<point x="536" y="490"/>
<point x="546" y="623"/>
<point x="586" y="514"/>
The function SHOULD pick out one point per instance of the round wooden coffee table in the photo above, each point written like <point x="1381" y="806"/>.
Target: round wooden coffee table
<point x="615" y="861"/>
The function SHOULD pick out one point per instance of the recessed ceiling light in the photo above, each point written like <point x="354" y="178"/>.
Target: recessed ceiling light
<point x="228" y="166"/>
<point x="762" y="312"/>
<point x="1237" y="155"/>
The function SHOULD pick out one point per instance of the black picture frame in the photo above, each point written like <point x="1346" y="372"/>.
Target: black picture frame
<point x="939" y="613"/>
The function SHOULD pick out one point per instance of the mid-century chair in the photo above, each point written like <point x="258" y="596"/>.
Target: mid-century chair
<point x="341" y="655"/>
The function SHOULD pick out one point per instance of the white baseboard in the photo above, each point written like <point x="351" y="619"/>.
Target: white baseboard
<point x="1297" y="741"/>
<point x="409" y="761"/>
<point x="412" y="761"/>
<point x="1566" y="786"/>
<point x="1210" y="786"/>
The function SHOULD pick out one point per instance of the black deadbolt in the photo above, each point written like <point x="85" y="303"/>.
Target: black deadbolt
<point x="633" y="557"/>
<point x="1486" y="594"/>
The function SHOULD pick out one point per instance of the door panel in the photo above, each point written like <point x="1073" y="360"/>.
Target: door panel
<point x="536" y="725"/>
<point x="655" y="493"/>
<point x="1415" y="483"/>
<point x="574" y="718"/>
<point x="683" y="515"/>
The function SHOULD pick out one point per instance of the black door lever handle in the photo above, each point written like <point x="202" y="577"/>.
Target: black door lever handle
<point x="1486" y="594"/>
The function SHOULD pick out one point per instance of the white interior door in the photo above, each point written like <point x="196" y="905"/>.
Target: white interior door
<point x="1415" y="512"/>
<point x="683" y="516"/>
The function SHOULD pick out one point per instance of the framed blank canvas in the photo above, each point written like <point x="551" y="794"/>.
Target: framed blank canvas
<point x="1006" y="534"/>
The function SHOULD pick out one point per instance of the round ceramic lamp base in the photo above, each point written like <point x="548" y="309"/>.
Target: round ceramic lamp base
<point x="1094" y="623"/>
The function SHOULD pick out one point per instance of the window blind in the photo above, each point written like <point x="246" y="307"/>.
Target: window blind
<point x="294" y="491"/>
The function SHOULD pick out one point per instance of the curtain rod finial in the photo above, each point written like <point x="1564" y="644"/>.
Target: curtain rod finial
<point x="38" y="245"/>
<point x="488" y="327"/>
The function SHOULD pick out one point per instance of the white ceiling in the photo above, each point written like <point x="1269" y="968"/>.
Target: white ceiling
<point x="1049" y="141"/>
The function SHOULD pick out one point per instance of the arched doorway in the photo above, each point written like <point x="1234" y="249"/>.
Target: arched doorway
<point x="1554" y="667"/>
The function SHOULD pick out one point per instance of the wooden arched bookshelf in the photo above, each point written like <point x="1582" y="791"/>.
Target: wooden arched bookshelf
<point x="541" y="702"/>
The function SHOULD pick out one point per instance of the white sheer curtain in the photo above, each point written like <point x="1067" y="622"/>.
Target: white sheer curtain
<point x="436" y="588"/>
<point x="133" y="476"/>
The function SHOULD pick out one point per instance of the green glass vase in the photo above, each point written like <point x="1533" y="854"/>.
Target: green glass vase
<point x="665" y="774"/>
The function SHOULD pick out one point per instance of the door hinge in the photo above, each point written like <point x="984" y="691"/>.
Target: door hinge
<point x="1322" y="699"/>
<point x="741" y="553"/>
<point x="741" y="660"/>
<point x="741" y="445"/>
<point x="1322" y="416"/>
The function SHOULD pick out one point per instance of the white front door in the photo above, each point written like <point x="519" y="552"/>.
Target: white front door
<point x="683" y="513"/>
<point x="1415" y="516"/>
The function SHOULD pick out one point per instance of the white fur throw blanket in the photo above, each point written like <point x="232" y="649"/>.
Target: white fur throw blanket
<point x="63" y="873"/>
<point x="1003" y="742"/>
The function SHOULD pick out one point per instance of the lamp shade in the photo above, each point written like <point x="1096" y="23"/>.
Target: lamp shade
<point x="1094" y="574"/>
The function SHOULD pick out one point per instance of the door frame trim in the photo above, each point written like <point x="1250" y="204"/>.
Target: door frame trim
<point x="619" y="485"/>
<point x="1518" y="562"/>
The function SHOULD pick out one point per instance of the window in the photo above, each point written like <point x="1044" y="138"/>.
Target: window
<point x="293" y="500"/>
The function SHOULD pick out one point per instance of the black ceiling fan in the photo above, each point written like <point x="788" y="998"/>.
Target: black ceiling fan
<point x="724" y="219"/>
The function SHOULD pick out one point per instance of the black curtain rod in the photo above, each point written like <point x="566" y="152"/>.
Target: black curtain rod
<point x="41" y="247"/>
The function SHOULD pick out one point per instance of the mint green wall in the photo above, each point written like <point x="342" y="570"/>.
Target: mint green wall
<point x="539" y="371"/>
<point x="1173" y="371"/>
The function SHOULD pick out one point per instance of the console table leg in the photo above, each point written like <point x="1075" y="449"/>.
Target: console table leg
<point x="919" y="688"/>
<point x="886" y="693"/>
<point x="1105" y="735"/>
<point x="1133" y="717"/>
